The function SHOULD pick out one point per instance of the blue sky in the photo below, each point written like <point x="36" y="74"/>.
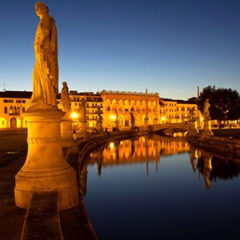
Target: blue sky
<point x="169" y="46"/>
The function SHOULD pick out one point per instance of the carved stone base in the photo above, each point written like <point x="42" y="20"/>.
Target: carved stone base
<point x="45" y="168"/>
<point x="66" y="132"/>
<point x="193" y="129"/>
<point x="206" y="129"/>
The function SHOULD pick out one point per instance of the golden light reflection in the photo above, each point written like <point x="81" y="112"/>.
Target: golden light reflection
<point x="140" y="150"/>
<point x="111" y="145"/>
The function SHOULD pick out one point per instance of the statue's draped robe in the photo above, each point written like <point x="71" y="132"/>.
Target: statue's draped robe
<point x="65" y="100"/>
<point x="45" y="73"/>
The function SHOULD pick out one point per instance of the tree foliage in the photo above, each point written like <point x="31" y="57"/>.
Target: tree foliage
<point x="225" y="103"/>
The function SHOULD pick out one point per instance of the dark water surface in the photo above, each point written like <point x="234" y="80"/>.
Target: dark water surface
<point x="159" y="188"/>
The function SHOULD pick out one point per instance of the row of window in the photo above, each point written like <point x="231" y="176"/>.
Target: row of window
<point x="93" y="105"/>
<point x="126" y="110"/>
<point x="13" y="110"/>
<point x="94" y="99"/>
<point x="93" y="118"/>
<point x="177" y="109"/>
<point x="12" y="101"/>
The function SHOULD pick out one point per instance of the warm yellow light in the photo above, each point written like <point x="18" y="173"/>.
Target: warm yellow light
<point x="201" y="119"/>
<point x="112" y="117"/>
<point x="163" y="118"/>
<point x="74" y="115"/>
<point x="111" y="145"/>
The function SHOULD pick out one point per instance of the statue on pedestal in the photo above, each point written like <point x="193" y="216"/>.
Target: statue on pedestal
<point x="45" y="168"/>
<point x="65" y="98"/>
<point x="66" y="123"/>
<point x="206" y="107"/>
<point x="132" y="119"/>
<point x="82" y="119"/>
<point x="99" y="119"/>
<point x="45" y="73"/>
<point x="207" y="123"/>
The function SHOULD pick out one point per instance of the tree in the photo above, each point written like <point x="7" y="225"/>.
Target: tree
<point x="225" y="103"/>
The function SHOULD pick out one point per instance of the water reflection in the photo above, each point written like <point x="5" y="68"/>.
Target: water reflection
<point x="172" y="202"/>
<point x="213" y="168"/>
<point x="133" y="151"/>
<point x="149" y="149"/>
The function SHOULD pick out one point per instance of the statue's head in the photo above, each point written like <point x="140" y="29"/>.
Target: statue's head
<point x="64" y="84"/>
<point x="41" y="8"/>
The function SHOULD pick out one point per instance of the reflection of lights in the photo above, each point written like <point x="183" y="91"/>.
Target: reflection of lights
<point x="201" y="119"/>
<point x="74" y="115"/>
<point x="112" y="117"/>
<point x="163" y="118"/>
<point x="111" y="145"/>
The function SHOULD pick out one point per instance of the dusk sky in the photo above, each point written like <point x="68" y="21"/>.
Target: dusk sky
<point x="169" y="46"/>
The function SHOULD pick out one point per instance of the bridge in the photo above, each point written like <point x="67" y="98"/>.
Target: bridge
<point x="170" y="127"/>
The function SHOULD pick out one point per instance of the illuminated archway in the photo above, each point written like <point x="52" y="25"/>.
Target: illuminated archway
<point x="3" y="123"/>
<point x="13" y="122"/>
<point x="114" y="105"/>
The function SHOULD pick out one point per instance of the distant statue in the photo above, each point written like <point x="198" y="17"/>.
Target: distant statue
<point x="132" y="118"/>
<point x="82" y="109"/>
<point x="65" y="98"/>
<point x="206" y="107"/>
<point x="99" y="113"/>
<point x="45" y="73"/>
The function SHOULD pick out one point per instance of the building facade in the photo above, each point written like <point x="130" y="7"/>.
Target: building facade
<point x="12" y="105"/>
<point x="178" y="111"/>
<point x="118" y="109"/>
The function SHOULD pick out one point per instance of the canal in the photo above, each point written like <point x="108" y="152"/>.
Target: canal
<point x="161" y="188"/>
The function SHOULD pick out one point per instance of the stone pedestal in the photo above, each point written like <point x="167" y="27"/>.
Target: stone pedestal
<point x="82" y="128"/>
<point x="193" y="129"/>
<point x="45" y="168"/>
<point x="66" y="131"/>
<point x="206" y="129"/>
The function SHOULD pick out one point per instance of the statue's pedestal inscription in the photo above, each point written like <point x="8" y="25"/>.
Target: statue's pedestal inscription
<point x="45" y="168"/>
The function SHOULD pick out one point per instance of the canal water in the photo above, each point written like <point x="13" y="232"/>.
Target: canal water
<point x="161" y="188"/>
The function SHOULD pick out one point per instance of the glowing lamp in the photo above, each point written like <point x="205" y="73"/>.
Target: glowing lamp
<point x="163" y="118"/>
<point x="74" y="115"/>
<point x="113" y="117"/>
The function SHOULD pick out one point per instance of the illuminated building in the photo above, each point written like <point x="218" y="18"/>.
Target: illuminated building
<point x="12" y="105"/>
<point x="92" y="102"/>
<point x="118" y="106"/>
<point x="177" y="111"/>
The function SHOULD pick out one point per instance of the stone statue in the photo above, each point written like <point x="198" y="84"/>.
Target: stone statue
<point x="99" y="113"/>
<point x="82" y="109"/>
<point x="132" y="118"/>
<point x="45" y="73"/>
<point x="206" y="107"/>
<point x="65" y="98"/>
